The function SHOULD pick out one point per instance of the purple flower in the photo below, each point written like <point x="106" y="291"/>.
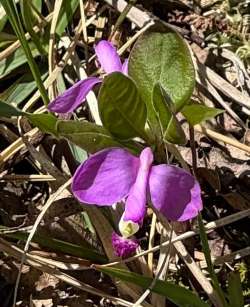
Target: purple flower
<point x="123" y="247"/>
<point x="75" y="95"/>
<point x="113" y="175"/>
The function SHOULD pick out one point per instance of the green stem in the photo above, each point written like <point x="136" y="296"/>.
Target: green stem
<point x="206" y="250"/>
<point x="11" y="11"/>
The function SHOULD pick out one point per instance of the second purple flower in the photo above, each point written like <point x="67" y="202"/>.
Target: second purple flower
<point x="73" y="97"/>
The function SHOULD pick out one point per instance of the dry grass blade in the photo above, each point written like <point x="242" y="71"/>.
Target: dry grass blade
<point x="192" y="266"/>
<point x="157" y="276"/>
<point x="104" y="230"/>
<point x="141" y="18"/>
<point x="13" y="47"/>
<point x="222" y="138"/>
<point x="64" y="60"/>
<point x="27" y="178"/>
<point x="34" y="228"/>
<point x="244" y="252"/>
<point x="209" y="227"/>
<point x="151" y="243"/>
<point x="17" y="253"/>
<point x="15" y="147"/>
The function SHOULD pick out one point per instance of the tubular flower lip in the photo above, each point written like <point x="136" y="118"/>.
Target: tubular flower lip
<point x="123" y="247"/>
<point x="75" y="95"/>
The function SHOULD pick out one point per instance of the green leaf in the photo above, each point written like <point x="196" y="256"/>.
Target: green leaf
<point x="14" y="18"/>
<point x="174" y="132"/>
<point x="178" y="295"/>
<point x="20" y="89"/>
<point x="161" y="55"/>
<point x="160" y="107"/>
<point x="45" y="122"/>
<point x="8" y="110"/>
<point x="235" y="294"/>
<point x="196" y="113"/>
<point x="164" y="109"/>
<point x="67" y="11"/>
<point x="122" y="111"/>
<point x="17" y="58"/>
<point x="86" y="135"/>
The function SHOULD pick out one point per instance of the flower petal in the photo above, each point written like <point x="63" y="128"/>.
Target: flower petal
<point x="123" y="247"/>
<point x="135" y="207"/>
<point x="106" y="177"/>
<point x="174" y="192"/>
<point x="125" y="67"/>
<point x="108" y="57"/>
<point x="74" y="96"/>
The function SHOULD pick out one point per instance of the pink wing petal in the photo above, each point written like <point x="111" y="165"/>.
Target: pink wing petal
<point x="174" y="192"/>
<point x="106" y="177"/>
<point x="108" y="57"/>
<point x="135" y="206"/>
<point x="73" y="97"/>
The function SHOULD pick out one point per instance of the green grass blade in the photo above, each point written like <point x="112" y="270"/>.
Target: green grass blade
<point x="62" y="246"/>
<point x="206" y="251"/>
<point x="178" y="295"/>
<point x="11" y="11"/>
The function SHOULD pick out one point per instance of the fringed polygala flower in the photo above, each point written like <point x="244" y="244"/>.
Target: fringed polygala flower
<point x="115" y="175"/>
<point x="75" y="95"/>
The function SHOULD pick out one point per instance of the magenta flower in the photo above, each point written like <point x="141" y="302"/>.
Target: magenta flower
<point x="114" y="175"/>
<point x="75" y="95"/>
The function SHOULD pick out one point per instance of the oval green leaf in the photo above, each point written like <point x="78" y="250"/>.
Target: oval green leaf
<point x="122" y="111"/>
<point x="161" y="55"/>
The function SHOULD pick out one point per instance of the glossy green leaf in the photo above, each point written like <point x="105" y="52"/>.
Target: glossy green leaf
<point x="235" y="294"/>
<point x="122" y="111"/>
<point x="161" y="55"/>
<point x="196" y="113"/>
<point x="7" y="110"/>
<point x="45" y="122"/>
<point x="86" y="135"/>
<point x="178" y="295"/>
